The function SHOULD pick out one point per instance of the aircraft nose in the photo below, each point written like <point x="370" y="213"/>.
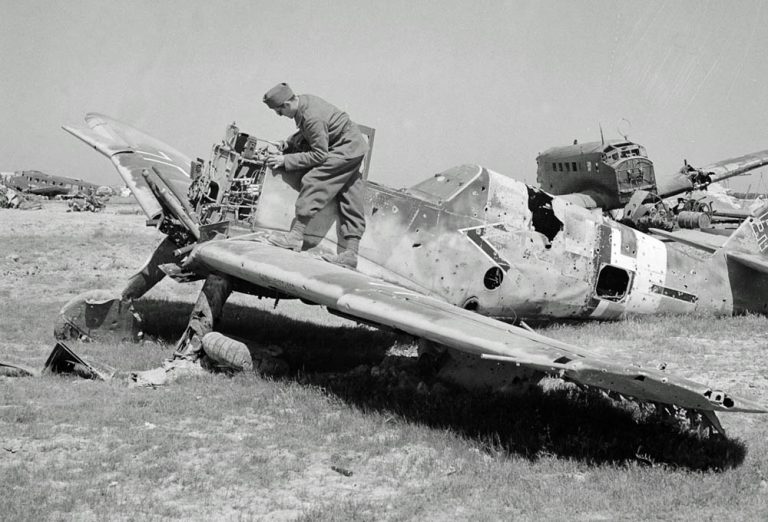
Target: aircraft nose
<point x="635" y="171"/>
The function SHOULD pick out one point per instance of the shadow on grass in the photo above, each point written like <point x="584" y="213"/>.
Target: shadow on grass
<point x="565" y="423"/>
<point x="568" y="423"/>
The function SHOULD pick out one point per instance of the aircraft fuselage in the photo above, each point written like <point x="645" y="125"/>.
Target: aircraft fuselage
<point x="486" y="242"/>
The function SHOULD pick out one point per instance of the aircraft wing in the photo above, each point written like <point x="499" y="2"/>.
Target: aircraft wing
<point x="735" y="166"/>
<point x="375" y="301"/>
<point x="134" y="152"/>
<point x="719" y="171"/>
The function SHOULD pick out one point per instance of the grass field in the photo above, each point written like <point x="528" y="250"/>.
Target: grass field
<point x="344" y="436"/>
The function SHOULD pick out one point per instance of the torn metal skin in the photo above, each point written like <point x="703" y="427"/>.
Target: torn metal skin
<point x="64" y="360"/>
<point x="97" y="313"/>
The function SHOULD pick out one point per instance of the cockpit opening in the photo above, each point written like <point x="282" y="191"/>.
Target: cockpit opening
<point x="618" y="151"/>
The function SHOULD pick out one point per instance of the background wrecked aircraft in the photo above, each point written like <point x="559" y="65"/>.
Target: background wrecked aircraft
<point x="13" y="199"/>
<point x="618" y="175"/>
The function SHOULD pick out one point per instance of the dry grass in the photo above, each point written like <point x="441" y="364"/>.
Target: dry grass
<point x="333" y="440"/>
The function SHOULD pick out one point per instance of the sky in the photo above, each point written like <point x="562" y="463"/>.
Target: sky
<point x="443" y="82"/>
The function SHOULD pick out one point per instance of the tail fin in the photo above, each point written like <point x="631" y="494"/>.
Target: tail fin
<point x="749" y="244"/>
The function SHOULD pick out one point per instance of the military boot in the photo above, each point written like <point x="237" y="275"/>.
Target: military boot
<point x="347" y="257"/>
<point x="292" y="240"/>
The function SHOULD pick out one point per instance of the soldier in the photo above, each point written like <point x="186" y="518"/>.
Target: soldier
<point x="330" y="148"/>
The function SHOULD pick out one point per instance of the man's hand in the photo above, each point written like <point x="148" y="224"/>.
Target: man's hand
<point x="276" y="161"/>
<point x="280" y="146"/>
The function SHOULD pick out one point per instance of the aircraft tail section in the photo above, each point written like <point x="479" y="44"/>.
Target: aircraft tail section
<point x="749" y="244"/>
<point x="746" y="259"/>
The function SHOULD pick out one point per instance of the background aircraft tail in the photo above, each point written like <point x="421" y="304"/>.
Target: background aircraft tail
<point x="746" y="258"/>
<point x="749" y="244"/>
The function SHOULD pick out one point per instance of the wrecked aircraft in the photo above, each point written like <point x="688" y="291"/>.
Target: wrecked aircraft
<point x="47" y="185"/>
<point x="448" y="260"/>
<point x="13" y="199"/>
<point x="618" y="175"/>
<point x="83" y="202"/>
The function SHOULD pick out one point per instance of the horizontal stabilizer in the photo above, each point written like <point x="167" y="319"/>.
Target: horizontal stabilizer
<point x="694" y="238"/>
<point x="753" y="261"/>
<point x="750" y="241"/>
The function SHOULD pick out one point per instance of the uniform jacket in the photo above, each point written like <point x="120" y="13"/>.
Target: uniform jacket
<point x="324" y="131"/>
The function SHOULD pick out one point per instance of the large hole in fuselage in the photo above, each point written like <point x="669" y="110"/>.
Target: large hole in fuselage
<point x="543" y="216"/>
<point x="612" y="283"/>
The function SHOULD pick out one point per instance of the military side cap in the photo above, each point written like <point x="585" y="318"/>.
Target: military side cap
<point x="278" y="95"/>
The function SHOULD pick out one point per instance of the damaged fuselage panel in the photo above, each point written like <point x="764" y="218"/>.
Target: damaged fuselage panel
<point x="489" y="243"/>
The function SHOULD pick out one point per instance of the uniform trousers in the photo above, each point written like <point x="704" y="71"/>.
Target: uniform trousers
<point x="340" y="178"/>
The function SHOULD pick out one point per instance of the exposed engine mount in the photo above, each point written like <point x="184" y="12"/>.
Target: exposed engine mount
<point x="229" y="186"/>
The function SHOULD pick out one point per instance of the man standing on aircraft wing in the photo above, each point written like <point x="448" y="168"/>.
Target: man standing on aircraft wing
<point x="330" y="148"/>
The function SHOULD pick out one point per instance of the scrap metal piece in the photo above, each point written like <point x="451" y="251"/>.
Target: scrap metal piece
<point x="211" y="231"/>
<point x="170" y="371"/>
<point x="180" y="274"/>
<point x="86" y="202"/>
<point x="14" y="370"/>
<point x="63" y="360"/>
<point x="94" y="314"/>
<point x="342" y="471"/>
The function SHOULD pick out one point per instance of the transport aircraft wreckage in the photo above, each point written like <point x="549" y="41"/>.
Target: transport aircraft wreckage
<point x="453" y="261"/>
<point x="618" y="176"/>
